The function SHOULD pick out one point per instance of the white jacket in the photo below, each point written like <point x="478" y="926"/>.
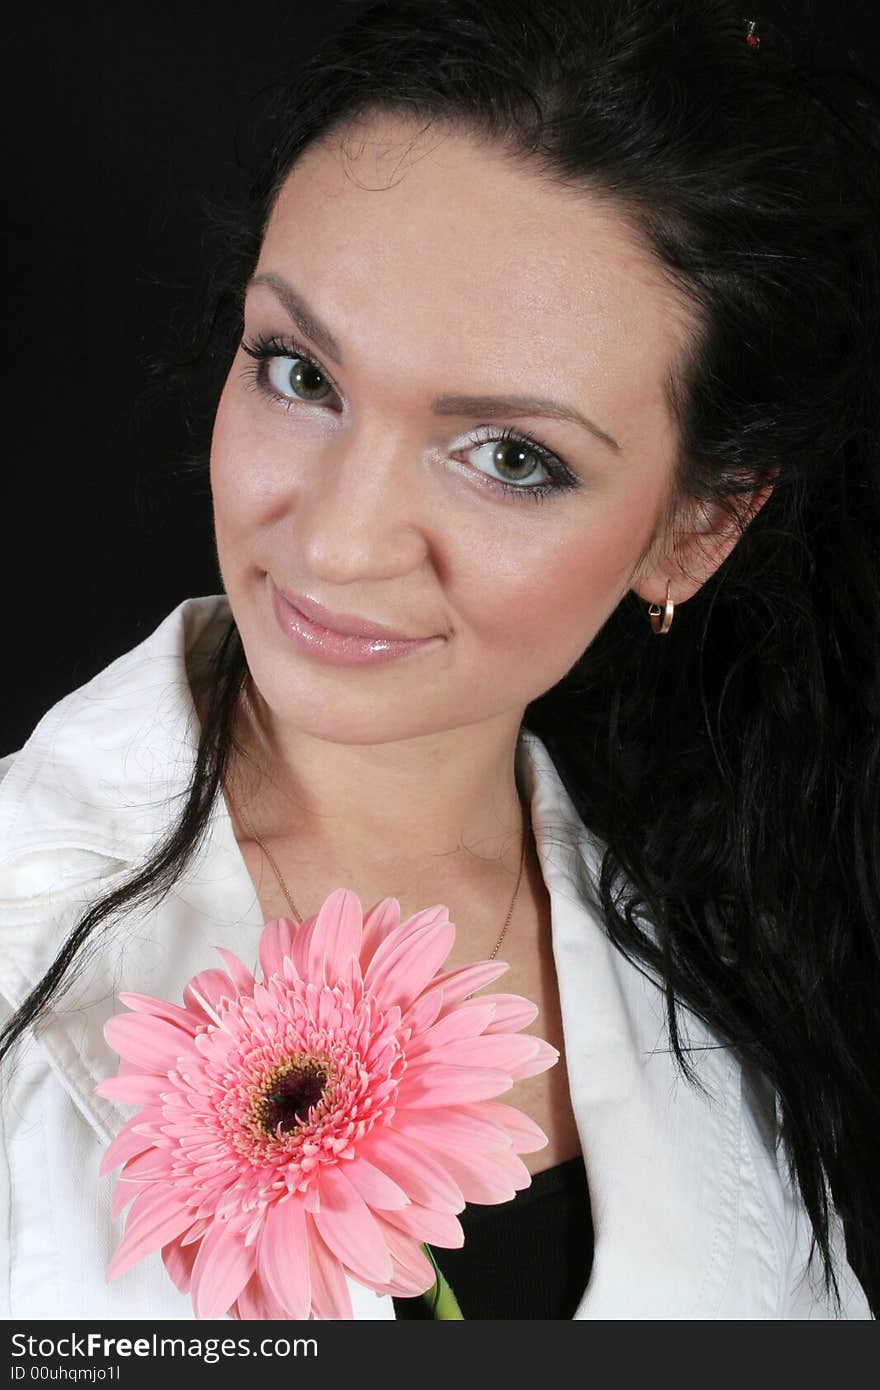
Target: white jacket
<point x="693" y="1214"/>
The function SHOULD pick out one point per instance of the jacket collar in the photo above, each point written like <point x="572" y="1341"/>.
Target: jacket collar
<point x="101" y="778"/>
<point x="102" y="765"/>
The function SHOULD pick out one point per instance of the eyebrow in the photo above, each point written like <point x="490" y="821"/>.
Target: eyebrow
<point x="490" y="407"/>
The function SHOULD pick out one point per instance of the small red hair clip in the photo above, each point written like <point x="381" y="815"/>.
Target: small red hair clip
<point x="751" y="37"/>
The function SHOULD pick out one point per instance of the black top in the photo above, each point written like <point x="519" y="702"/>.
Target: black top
<point x="530" y="1257"/>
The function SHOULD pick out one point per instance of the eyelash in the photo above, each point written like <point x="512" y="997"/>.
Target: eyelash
<point x="560" y="477"/>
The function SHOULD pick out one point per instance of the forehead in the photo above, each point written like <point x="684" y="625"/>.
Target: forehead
<point x="436" y="240"/>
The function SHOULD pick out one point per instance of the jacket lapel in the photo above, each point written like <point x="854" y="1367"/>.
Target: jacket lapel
<point x="661" y="1159"/>
<point x="100" y="780"/>
<point x="91" y="792"/>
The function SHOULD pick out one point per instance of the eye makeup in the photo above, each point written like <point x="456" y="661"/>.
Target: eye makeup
<point x="264" y="350"/>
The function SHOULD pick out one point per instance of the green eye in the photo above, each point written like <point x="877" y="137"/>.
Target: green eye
<point x="513" y="460"/>
<point x="518" y="465"/>
<point x="299" y="378"/>
<point x="282" y="371"/>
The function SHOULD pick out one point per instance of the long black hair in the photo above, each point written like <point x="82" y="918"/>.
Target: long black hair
<point x="730" y="767"/>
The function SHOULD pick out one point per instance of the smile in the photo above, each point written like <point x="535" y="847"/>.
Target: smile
<point x="341" y="648"/>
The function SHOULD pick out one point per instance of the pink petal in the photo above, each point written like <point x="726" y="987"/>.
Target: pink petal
<point x="422" y="1178"/>
<point x="546" y="1056"/>
<point x="256" y="1303"/>
<point x="398" y="936"/>
<point x="196" y="1230"/>
<point x="127" y="1068"/>
<point x="461" y="982"/>
<point x="349" y="1228"/>
<point x="203" y="1153"/>
<point x="160" y="1008"/>
<point x="423" y="1011"/>
<point x="238" y="972"/>
<point x="457" y="1127"/>
<point x="150" y="1043"/>
<point x="413" y="1271"/>
<point x="516" y="1169"/>
<point x="398" y="973"/>
<point x="148" y="1123"/>
<point x="203" y="1172"/>
<point x="276" y="942"/>
<point x="206" y="993"/>
<point x="505" y="1052"/>
<point x="463" y="1022"/>
<point x="133" y="1090"/>
<point x="377" y="1189"/>
<point x="437" y="1085"/>
<point x="125" y="1146"/>
<point x="512" y="1011"/>
<point x="221" y="1269"/>
<point x="336" y="938"/>
<point x="123" y="1193"/>
<point x="435" y="1227"/>
<point x="330" y="1294"/>
<point x="179" y="1260"/>
<point x="527" y="1137"/>
<point x="156" y="1217"/>
<point x="299" y="951"/>
<point x="283" y="1257"/>
<point x="214" y="1045"/>
<point x="488" y="1179"/>
<point x="152" y="1163"/>
<point x="382" y="919"/>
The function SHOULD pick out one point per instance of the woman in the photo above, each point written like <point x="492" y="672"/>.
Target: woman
<point x="509" y="254"/>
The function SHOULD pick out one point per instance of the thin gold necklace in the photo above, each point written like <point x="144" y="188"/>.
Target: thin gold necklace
<point x="298" y="915"/>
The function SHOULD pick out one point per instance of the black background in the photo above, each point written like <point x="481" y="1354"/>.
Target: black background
<point x="123" y="120"/>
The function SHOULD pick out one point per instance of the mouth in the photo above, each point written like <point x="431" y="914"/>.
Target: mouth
<point x="356" y="642"/>
<point x="346" y="624"/>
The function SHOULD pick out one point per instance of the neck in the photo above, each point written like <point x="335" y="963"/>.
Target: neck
<point x="450" y="797"/>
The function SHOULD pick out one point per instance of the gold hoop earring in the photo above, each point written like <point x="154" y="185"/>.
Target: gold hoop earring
<point x="654" y="613"/>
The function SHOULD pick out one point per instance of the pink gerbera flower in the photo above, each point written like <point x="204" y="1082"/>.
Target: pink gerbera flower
<point x="323" y="1122"/>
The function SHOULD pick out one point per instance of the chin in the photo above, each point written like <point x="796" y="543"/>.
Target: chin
<point x="323" y="710"/>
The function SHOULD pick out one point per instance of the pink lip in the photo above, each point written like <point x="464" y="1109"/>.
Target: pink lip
<point x="352" y="648"/>
<point x="343" y="623"/>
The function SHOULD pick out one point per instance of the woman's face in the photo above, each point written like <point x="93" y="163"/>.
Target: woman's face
<point x="446" y="297"/>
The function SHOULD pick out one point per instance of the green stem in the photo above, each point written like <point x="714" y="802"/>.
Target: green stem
<point x="441" y="1300"/>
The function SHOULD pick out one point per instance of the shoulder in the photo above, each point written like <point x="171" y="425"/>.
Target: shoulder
<point x="95" y="786"/>
<point x="95" y="770"/>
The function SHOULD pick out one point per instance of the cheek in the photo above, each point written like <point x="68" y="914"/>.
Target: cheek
<point x="237" y="469"/>
<point x="540" y="595"/>
<point x="223" y="456"/>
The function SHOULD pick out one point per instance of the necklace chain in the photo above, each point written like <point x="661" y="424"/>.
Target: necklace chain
<point x="299" y="916"/>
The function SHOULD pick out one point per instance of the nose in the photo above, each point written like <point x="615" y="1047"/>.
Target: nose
<point x="360" y="510"/>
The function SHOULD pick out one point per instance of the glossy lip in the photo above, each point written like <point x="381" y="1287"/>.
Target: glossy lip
<point x="343" y="623"/>
<point x="339" y="648"/>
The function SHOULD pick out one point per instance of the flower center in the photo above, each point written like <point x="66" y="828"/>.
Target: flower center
<point x="289" y="1093"/>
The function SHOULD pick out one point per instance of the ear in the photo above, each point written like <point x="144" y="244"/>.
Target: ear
<point x="701" y="543"/>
